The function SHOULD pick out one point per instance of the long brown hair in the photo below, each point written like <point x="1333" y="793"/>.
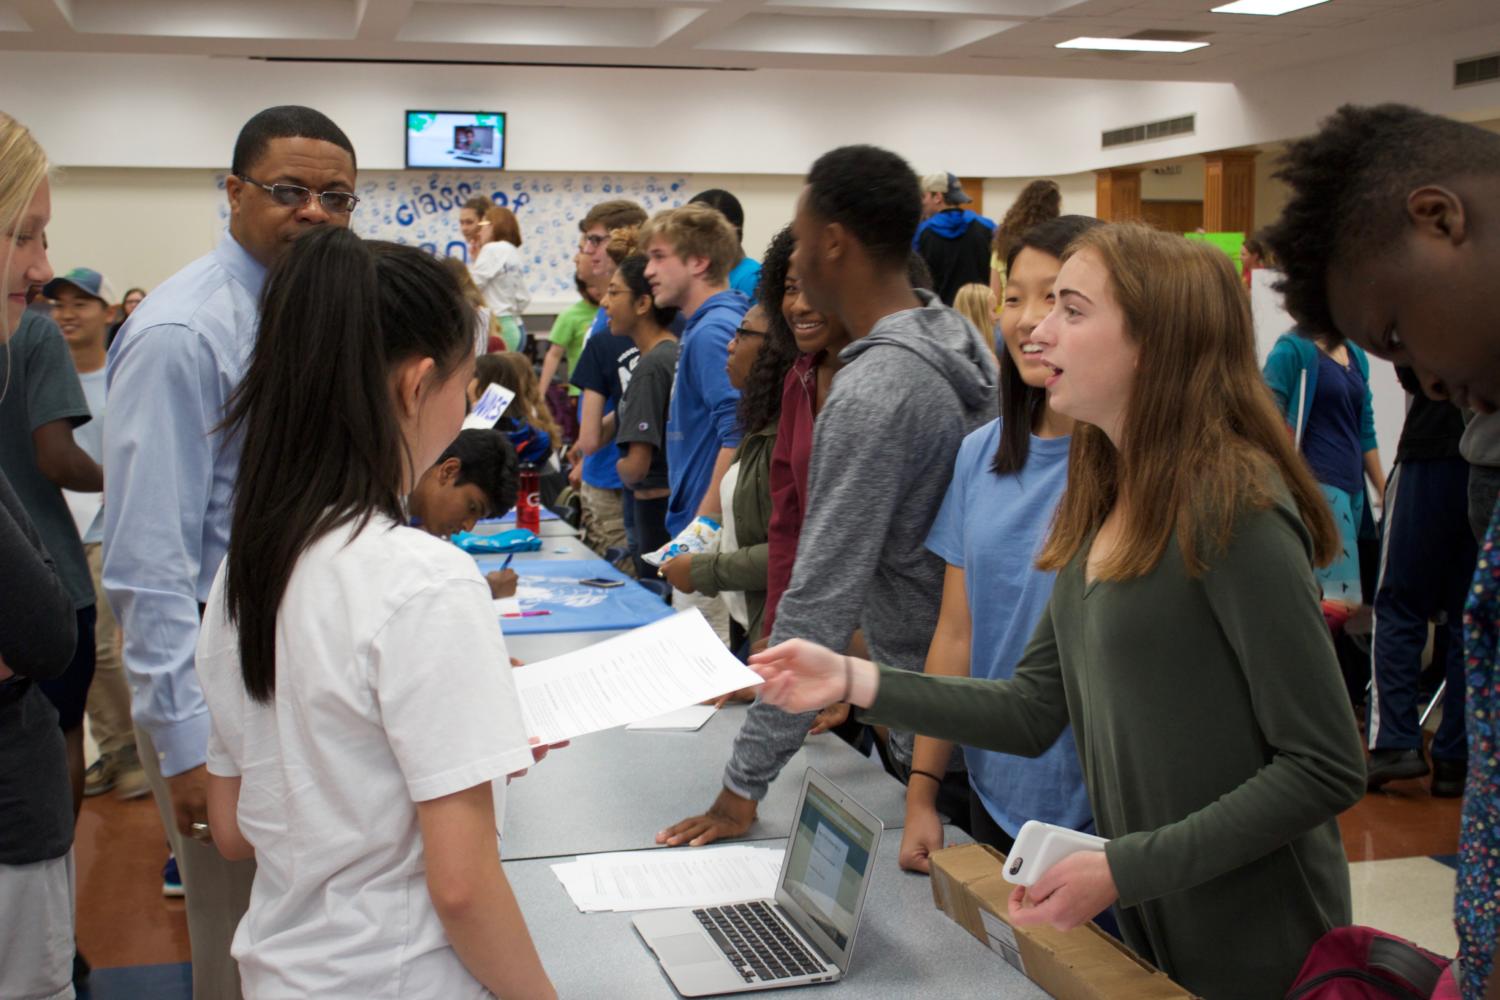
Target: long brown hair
<point x="503" y="226"/>
<point x="513" y="370"/>
<point x="1202" y="439"/>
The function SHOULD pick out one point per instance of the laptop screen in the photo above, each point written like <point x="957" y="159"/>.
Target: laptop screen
<point x="826" y="865"/>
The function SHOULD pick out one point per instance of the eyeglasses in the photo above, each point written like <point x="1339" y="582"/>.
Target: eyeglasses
<point x="745" y="331"/>
<point x="296" y="196"/>
<point x="593" y="241"/>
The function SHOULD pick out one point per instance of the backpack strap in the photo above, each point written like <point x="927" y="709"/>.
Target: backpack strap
<point x="1406" y="962"/>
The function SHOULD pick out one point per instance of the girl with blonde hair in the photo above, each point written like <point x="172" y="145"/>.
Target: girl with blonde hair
<point x="38" y="631"/>
<point x="1183" y="640"/>
<point x="977" y="304"/>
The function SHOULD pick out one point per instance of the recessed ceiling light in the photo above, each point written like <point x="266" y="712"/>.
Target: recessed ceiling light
<point x="1266" y="8"/>
<point x="1129" y="45"/>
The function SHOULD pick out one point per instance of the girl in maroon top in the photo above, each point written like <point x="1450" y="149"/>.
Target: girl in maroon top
<point x="820" y="338"/>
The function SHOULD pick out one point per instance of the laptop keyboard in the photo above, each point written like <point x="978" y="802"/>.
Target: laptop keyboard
<point x="755" y="940"/>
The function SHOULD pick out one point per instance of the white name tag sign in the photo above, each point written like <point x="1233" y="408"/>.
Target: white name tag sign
<point x="488" y="410"/>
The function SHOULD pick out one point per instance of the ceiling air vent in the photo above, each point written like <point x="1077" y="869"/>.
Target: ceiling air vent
<point x="1151" y="130"/>
<point x="1483" y="69"/>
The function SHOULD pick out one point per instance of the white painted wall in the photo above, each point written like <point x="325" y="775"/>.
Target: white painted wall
<point x="184" y="111"/>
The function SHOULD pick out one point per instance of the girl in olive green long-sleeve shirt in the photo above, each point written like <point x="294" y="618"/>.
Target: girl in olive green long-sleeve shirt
<point x="1184" y="640"/>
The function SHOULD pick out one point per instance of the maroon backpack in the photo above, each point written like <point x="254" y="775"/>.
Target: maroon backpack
<point x="1361" y="963"/>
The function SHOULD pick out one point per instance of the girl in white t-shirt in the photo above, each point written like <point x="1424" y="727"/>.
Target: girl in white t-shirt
<point x="498" y="274"/>
<point x="364" y="716"/>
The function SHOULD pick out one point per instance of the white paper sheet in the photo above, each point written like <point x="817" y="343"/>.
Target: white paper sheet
<point x="684" y="720"/>
<point x="661" y="667"/>
<point x="507" y="605"/>
<point x="671" y="877"/>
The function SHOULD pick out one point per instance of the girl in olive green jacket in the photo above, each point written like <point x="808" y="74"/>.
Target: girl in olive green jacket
<point x="1183" y="642"/>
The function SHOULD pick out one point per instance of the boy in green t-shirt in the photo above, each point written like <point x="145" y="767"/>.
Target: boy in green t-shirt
<point x="569" y="331"/>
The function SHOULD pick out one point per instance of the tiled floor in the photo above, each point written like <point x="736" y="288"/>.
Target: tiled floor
<point x="1408" y="897"/>
<point x="137" y="941"/>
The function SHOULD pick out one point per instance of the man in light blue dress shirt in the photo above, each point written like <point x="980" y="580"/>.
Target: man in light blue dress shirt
<point x="168" y="493"/>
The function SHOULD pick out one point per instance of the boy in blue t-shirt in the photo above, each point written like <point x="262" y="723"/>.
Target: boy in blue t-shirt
<point x="597" y="375"/>
<point x="689" y="252"/>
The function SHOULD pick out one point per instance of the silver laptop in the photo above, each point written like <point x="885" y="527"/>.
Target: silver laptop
<point x="805" y="934"/>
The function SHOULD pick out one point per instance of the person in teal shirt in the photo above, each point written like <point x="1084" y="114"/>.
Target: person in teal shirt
<point x="744" y="276"/>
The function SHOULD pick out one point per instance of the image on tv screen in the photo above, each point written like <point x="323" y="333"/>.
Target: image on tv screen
<point x="455" y="140"/>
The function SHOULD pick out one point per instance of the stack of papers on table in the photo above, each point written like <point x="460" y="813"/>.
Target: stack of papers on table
<point x="668" y="878"/>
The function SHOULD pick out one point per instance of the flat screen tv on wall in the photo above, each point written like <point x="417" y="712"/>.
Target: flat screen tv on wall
<point x="455" y="140"/>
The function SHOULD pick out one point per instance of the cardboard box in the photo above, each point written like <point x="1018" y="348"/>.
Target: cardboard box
<point x="1081" y="964"/>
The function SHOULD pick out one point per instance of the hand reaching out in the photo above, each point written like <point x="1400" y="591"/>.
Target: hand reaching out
<point x="802" y="676"/>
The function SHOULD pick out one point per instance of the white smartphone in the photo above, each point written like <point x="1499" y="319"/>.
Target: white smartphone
<point x="1040" y="845"/>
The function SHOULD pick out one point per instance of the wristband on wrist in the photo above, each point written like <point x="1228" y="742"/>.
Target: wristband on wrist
<point x="848" y="678"/>
<point x="926" y="774"/>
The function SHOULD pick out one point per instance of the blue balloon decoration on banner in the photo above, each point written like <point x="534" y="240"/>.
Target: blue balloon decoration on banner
<point x="421" y="209"/>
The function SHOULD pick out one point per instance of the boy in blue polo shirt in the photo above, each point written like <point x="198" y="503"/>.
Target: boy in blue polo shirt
<point x="689" y="251"/>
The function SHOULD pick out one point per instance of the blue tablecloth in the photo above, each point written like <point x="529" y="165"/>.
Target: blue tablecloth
<point x="553" y="586"/>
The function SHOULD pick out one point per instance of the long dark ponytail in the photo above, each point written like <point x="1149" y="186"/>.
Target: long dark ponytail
<point x="322" y="446"/>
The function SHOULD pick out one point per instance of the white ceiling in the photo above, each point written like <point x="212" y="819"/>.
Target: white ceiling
<point x="985" y="37"/>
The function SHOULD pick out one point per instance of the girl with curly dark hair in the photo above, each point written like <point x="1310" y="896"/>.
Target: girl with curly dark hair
<point x="1040" y="201"/>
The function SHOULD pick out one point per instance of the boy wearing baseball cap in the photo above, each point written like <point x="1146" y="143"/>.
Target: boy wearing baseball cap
<point x="953" y="240"/>
<point x="83" y="308"/>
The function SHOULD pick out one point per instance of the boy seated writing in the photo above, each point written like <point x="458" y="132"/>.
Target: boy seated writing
<point x="476" y="477"/>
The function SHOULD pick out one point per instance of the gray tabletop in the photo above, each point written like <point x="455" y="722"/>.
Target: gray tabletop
<point x="550" y="528"/>
<point x="613" y="791"/>
<point x="906" y="946"/>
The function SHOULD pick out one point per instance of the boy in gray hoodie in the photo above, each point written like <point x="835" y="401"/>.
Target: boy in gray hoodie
<point x="918" y="378"/>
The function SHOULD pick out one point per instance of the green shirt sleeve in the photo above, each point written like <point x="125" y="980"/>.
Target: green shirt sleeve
<point x="1264" y="598"/>
<point x="742" y="569"/>
<point x="1023" y="716"/>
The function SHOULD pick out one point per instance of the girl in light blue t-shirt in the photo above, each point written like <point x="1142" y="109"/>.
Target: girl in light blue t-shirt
<point x="1007" y="480"/>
